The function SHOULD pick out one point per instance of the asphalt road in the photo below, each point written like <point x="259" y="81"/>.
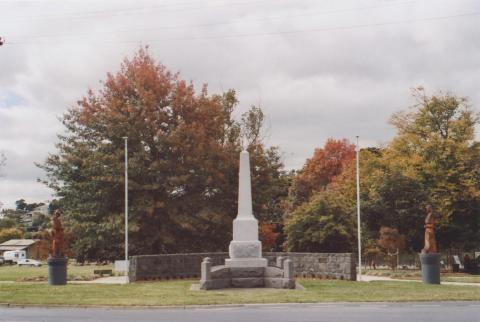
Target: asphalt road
<point x="384" y="312"/>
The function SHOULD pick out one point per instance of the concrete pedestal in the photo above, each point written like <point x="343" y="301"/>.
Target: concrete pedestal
<point x="57" y="270"/>
<point x="430" y="268"/>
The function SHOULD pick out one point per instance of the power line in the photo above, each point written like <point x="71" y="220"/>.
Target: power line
<point x="319" y="29"/>
<point x="286" y="32"/>
<point x="134" y="10"/>
<point x="314" y="13"/>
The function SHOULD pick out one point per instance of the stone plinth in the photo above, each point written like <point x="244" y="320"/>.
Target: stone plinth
<point x="246" y="262"/>
<point x="223" y="276"/>
<point x="245" y="254"/>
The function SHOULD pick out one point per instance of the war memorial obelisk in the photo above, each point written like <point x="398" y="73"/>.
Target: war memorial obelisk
<point x="245" y="266"/>
<point x="245" y="249"/>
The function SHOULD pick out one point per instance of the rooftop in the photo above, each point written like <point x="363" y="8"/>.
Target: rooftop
<point x="18" y="242"/>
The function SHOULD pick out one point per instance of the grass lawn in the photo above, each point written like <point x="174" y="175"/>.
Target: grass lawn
<point x="27" y="273"/>
<point x="178" y="293"/>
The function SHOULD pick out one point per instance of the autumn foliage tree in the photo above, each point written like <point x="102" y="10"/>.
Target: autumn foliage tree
<point x="10" y="233"/>
<point x="268" y="235"/>
<point x="183" y="148"/>
<point x="318" y="171"/>
<point x="320" y="209"/>
<point x="392" y="242"/>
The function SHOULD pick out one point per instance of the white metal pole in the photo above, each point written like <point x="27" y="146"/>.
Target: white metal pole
<point x="358" y="216"/>
<point x="126" y="209"/>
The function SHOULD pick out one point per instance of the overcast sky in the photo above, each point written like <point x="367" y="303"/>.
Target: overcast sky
<point x="318" y="68"/>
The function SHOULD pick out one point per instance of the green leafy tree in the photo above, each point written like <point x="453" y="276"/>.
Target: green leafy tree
<point x="324" y="224"/>
<point x="396" y="200"/>
<point x="7" y="222"/>
<point x="12" y="216"/>
<point x="54" y="205"/>
<point x="23" y="206"/>
<point x="40" y="221"/>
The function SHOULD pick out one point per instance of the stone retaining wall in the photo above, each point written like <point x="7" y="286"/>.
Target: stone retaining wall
<point x="173" y="266"/>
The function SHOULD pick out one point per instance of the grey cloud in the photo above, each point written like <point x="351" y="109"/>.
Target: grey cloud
<point x="313" y="85"/>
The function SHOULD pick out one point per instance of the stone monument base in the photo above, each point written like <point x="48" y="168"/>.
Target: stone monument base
<point x="430" y="268"/>
<point x="246" y="262"/>
<point x="57" y="270"/>
<point x="225" y="276"/>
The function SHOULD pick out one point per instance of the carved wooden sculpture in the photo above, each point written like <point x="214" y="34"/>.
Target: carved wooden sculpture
<point x="430" y="242"/>
<point x="58" y="236"/>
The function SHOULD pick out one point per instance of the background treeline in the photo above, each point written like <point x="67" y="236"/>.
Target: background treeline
<point x="433" y="159"/>
<point x="183" y="163"/>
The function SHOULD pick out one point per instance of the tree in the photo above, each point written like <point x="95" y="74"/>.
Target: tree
<point x="183" y="164"/>
<point x="436" y="147"/>
<point x="370" y="251"/>
<point x="10" y="233"/>
<point x="319" y="171"/>
<point x="12" y="216"/>
<point x="268" y="235"/>
<point x="40" y="221"/>
<point x="324" y="224"/>
<point x="320" y="211"/>
<point x="7" y="222"/>
<point x="392" y="242"/>
<point x="23" y="206"/>
<point x="396" y="200"/>
<point x="54" y="205"/>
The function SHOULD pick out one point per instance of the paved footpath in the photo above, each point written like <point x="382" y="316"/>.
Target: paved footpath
<point x="335" y="312"/>
<point x="370" y="278"/>
<point x="365" y="278"/>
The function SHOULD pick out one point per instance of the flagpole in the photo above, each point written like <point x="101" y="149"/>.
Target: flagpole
<point x="358" y="215"/>
<point x="126" y="209"/>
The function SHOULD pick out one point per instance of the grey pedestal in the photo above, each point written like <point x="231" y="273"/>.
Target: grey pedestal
<point x="430" y="268"/>
<point x="57" y="270"/>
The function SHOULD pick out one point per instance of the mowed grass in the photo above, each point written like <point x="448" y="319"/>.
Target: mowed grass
<point x="16" y="273"/>
<point x="178" y="292"/>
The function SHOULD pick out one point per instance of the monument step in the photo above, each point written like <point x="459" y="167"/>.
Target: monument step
<point x="248" y="282"/>
<point x="243" y="272"/>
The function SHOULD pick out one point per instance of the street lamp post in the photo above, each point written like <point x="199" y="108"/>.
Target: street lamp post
<point x="126" y="209"/>
<point x="358" y="216"/>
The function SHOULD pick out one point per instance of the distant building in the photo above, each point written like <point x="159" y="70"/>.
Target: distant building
<point x="27" y="218"/>
<point x="43" y="209"/>
<point x="31" y="246"/>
